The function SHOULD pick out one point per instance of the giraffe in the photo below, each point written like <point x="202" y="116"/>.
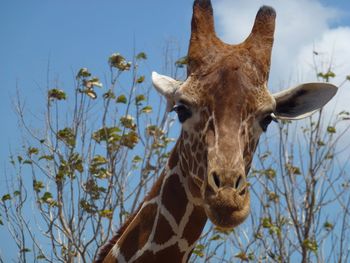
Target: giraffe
<point x="224" y="106"/>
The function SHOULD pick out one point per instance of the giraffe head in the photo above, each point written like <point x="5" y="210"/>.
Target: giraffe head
<point x="224" y="106"/>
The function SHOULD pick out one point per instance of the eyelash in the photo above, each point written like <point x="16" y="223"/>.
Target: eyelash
<point x="183" y="112"/>
<point x="264" y="123"/>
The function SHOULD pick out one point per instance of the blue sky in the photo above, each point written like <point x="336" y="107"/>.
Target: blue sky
<point x="69" y="35"/>
<point x="74" y="34"/>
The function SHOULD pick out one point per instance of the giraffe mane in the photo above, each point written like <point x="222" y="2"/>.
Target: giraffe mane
<point x="105" y="249"/>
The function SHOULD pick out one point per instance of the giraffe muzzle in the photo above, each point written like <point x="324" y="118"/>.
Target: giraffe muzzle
<point x="227" y="197"/>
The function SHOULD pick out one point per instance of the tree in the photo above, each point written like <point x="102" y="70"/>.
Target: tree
<point x="100" y="147"/>
<point x="91" y="161"/>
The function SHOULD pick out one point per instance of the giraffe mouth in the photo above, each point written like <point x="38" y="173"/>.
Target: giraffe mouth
<point x="227" y="208"/>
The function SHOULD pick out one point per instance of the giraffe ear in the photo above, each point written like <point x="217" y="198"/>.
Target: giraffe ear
<point x="166" y="86"/>
<point x="302" y="101"/>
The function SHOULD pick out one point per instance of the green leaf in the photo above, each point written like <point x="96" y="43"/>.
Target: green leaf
<point x="6" y="197"/>
<point x="167" y="140"/>
<point x="89" y="92"/>
<point x="344" y="115"/>
<point x="265" y="155"/>
<point x="67" y="136"/>
<point x="122" y="99"/>
<point x="110" y="134"/>
<point x="118" y="61"/>
<point x="293" y="169"/>
<point x="140" y="79"/>
<point x="274" y="230"/>
<point x="348" y="77"/>
<point x="147" y="109"/>
<point x="99" y="160"/>
<point x="16" y="193"/>
<point x="153" y="130"/>
<point x="242" y="256"/>
<point x="47" y="197"/>
<point x="41" y="256"/>
<point x="141" y="55"/>
<point x="225" y="231"/>
<point x="90" y="208"/>
<point x="92" y="94"/>
<point x="128" y="122"/>
<point x="331" y="129"/>
<point x="251" y="256"/>
<point x="37" y="186"/>
<point x="140" y="98"/>
<point x="109" y="95"/>
<point x="266" y="222"/>
<point x="56" y="94"/>
<point x="95" y="81"/>
<point x="90" y="83"/>
<point x="106" y="213"/>
<point x="76" y="163"/>
<point x="137" y="159"/>
<point x="93" y="189"/>
<point x="270" y="173"/>
<point x="258" y="235"/>
<point x="102" y="173"/>
<point x="83" y="73"/>
<point x="32" y="150"/>
<point x="320" y="143"/>
<point x="273" y="197"/>
<point x="310" y="244"/>
<point x="331" y="74"/>
<point x="326" y="76"/>
<point x="25" y="250"/>
<point x="329" y="156"/>
<point x="296" y="170"/>
<point x="182" y="62"/>
<point x="328" y="226"/>
<point x="198" y="250"/>
<point x="130" y="140"/>
<point x="46" y="157"/>
<point x="215" y="237"/>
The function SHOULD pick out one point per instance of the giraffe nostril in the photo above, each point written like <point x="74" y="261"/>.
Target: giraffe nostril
<point x="238" y="182"/>
<point x="216" y="179"/>
<point x="243" y="191"/>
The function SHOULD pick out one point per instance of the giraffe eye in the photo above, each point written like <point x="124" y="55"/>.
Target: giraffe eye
<point x="264" y="123"/>
<point x="183" y="112"/>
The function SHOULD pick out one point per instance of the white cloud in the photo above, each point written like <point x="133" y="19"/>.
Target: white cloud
<point x="333" y="49"/>
<point x="300" y="26"/>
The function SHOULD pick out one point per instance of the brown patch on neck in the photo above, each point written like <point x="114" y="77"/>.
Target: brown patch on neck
<point x="105" y="249"/>
<point x="174" y="157"/>
<point x="174" y="197"/>
<point x="192" y="231"/>
<point x="163" y="231"/>
<point x="138" y="232"/>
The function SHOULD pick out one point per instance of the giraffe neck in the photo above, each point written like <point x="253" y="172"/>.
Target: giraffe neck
<point x="168" y="223"/>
